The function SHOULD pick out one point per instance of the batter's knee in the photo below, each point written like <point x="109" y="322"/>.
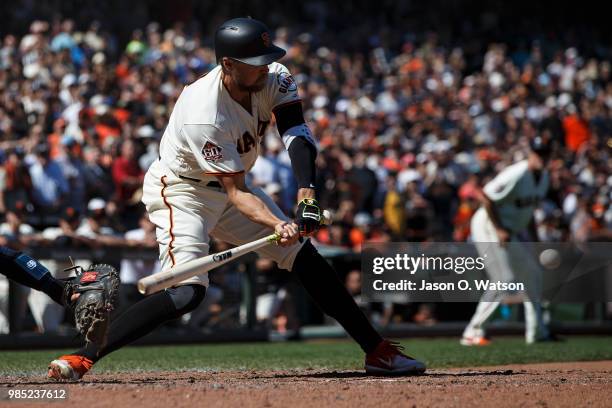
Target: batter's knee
<point x="186" y="297"/>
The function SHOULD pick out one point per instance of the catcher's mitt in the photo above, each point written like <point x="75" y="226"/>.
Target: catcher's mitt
<point x="98" y="287"/>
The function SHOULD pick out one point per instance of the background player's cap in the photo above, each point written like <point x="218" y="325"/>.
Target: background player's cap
<point x="539" y="146"/>
<point x="246" y="40"/>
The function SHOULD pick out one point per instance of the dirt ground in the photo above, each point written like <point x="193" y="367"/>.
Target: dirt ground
<point x="533" y="385"/>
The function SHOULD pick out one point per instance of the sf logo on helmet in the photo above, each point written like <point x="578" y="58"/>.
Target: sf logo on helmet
<point x="265" y="38"/>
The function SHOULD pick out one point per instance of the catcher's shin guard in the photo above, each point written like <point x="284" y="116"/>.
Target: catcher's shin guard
<point x="98" y="287"/>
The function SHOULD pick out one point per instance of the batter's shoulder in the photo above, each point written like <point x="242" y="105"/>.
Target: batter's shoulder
<point x="206" y="80"/>
<point x="200" y="102"/>
<point x="282" y="87"/>
<point x="277" y="67"/>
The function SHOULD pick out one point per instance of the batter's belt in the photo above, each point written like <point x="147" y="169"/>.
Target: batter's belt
<point x="213" y="184"/>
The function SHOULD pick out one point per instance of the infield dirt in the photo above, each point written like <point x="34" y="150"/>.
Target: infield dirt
<point x="531" y="385"/>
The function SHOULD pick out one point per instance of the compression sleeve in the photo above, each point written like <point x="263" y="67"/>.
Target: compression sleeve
<point x="303" y="154"/>
<point x="298" y="141"/>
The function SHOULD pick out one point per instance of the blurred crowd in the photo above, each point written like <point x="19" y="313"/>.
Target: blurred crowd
<point x="409" y="126"/>
<point x="408" y="138"/>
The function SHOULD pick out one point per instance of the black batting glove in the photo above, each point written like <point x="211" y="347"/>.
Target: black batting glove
<point x="308" y="217"/>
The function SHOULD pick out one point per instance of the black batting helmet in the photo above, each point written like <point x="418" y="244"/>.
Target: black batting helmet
<point x="246" y="40"/>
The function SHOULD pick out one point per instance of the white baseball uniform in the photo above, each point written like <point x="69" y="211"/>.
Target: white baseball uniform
<point x="515" y="194"/>
<point x="210" y="134"/>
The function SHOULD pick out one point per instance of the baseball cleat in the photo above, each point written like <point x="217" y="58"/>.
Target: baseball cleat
<point x="388" y="359"/>
<point x="69" y="367"/>
<point x="474" y="341"/>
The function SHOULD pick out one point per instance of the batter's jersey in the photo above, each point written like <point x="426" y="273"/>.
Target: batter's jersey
<point x="210" y="134"/>
<point x="516" y="195"/>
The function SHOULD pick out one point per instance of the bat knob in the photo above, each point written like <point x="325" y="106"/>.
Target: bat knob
<point x="327" y="217"/>
<point x="141" y="288"/>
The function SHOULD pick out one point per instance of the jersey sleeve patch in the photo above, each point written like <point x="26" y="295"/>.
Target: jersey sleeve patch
<point x="212" y="152"/>
<point x="282" y="86"/>
<point x="286" y="82"/>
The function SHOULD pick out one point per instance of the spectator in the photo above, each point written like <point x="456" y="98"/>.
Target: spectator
<point x="576" y="130"/>
<point x="132" y="270"/>
<point x="97" y="176"/>
<point x="95" y="225"/>
<point x="15" y="231"/>
<point x="127" y="175"/>
<point x="363" y="183"/>
<point x="394" y="214"/>
<point x="49" y="186"/>
<point x="15" y="182"/>
<point x="74" y="172"/>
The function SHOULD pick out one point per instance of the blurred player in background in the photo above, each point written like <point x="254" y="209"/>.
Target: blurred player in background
<point x="508" y="205"/>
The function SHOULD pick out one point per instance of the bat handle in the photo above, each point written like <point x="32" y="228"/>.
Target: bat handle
<point x="326" y="219"/>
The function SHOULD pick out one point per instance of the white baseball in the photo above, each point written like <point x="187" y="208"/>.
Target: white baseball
<point x="550" y="258"/>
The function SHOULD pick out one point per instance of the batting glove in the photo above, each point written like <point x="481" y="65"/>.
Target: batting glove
<point x="308" y="217"/>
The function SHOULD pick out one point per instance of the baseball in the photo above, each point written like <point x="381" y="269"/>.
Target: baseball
<point x="550" y="259"/>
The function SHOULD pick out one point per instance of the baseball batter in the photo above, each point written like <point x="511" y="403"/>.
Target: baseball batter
<point x="197" y="189"/>
<point x="508" y="204"/>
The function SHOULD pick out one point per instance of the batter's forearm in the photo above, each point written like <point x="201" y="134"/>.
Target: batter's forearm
<point x="254" y="209"/>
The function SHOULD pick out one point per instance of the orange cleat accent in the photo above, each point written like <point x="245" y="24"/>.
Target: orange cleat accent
<point x="478" y="341"/>
<point x="69" y="367"/>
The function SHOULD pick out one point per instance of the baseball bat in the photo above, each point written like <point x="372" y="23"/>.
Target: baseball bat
<point x="172" y="276"/>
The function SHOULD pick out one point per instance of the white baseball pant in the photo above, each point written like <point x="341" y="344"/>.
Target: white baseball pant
<point x="187" y="212"/>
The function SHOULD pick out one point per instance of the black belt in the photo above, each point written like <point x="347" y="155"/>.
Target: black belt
<point x="189" y="178"/>
<point x="214" y="184"/>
